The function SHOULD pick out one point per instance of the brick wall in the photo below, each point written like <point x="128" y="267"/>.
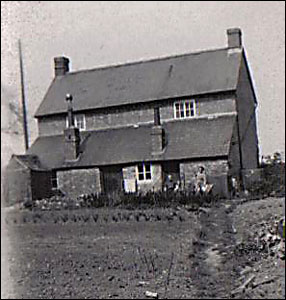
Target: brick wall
<point x="205" y="105"/>
<point x="247" y="120"/>
<point x="234" y="153"/>
<point x="213" y="106"/>
<point x="216" y="171"/>
<point x="120" y="117"/>
<point x="52" y="125"/>
<point x="76" y="182"/>
<point x="17" y="183"/>
<point x="136" y="114"/>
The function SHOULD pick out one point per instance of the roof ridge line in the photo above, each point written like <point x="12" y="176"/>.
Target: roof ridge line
<point x="144" y="60"/>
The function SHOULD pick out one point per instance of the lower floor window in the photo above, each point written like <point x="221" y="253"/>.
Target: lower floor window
<point x="54" y="180"/>
<point x="144" y="171"/>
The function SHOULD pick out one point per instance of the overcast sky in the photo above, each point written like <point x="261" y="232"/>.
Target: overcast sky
<point x="101" y="33"/>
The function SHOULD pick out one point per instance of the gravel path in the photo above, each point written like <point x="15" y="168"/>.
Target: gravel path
<point x="214" y="273"/>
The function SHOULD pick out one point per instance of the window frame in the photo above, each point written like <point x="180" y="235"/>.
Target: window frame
<point x="144" y="173"/>
<point x="54" y="179"/>
<point x="76" y="117"/>
<point x="188" y="106"/>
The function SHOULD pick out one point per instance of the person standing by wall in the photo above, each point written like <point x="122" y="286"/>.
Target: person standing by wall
<point x="200" y="181"/>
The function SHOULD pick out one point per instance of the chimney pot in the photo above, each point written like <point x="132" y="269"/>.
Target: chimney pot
<point x="71" y="134"/>
<point x="69" y="97"/>
<point x="61" y="65"/>
<point x="234" y="37"/>
<point x="157" y="134"/>
<point x="70" y="110"/>
<point x="71" y="143"/>
<point x="158" y="140"/>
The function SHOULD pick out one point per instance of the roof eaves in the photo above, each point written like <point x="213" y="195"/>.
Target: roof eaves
<point x="26" y="164"/>
<point x="249" y="76"/>
<point x="38" y="113"/>
<point x="20" y="161"/>
<point x="175" y="97"/>
<point x="132" y="162"/>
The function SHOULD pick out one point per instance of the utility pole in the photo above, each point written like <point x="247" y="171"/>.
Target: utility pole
<point x="25" y="123"/>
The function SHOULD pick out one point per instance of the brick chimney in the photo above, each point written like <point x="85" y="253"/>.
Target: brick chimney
<point x="61" y="65"/>
<point x="71" y="134"/>
<point x="157" y="134"/>
<point x="234" y="38"/>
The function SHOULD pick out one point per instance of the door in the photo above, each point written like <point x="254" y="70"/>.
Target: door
<point x="112" y="180"/>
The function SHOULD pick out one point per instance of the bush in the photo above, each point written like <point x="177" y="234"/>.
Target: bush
<point x="272" y="182"/>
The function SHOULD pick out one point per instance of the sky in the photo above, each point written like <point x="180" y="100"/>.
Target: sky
<point x="98" y="33"/>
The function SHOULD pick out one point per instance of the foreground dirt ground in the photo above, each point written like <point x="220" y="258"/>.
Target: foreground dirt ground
<point x="176" y="253"/>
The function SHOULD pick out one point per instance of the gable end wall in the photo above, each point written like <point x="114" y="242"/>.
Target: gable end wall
<point x="247" y="120"/>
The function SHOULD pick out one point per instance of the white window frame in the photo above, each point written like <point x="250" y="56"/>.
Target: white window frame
<point x="76" y="117"/>
<point x="144" y="172"/>
<point x="186" y="107"/>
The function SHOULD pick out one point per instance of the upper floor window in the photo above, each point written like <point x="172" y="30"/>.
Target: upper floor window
<point x="184" y="109"/>
<point x="79" y="121"/>
<point x="144" y="171"/>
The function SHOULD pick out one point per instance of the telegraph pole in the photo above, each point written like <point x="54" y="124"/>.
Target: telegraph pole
<point x="23" y="98"/>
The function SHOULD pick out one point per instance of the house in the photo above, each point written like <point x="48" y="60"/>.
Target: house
<point x="128" y="127"/>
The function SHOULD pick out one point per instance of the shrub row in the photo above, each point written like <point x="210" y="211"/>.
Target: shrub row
<point x="102" y="216"/>
<point x="272" y="182"/>
<point x="124" y="201"/>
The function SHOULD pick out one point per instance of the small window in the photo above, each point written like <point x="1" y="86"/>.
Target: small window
<point x="54" y="180"/>
<point x="184" y="109"/>
<point x="148" y="171"/>
<point x="141" y="172"/>
<point x="144" y="171"/>
<point x="177" y="110"/>
<point x="79" y="121"/>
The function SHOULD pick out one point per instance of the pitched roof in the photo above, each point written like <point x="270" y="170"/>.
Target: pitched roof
<point x="187" y="139"/>
<point x="29" y="161"/>
<point x="163" y="78"/>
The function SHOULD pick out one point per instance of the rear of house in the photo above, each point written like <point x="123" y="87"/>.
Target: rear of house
<point x="133" y="127"/>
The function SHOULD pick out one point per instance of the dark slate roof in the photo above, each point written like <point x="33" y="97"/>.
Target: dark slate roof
<point x="186" y="139"/>
<point x="163" y="78"/>
<point x="29" y="161"/>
